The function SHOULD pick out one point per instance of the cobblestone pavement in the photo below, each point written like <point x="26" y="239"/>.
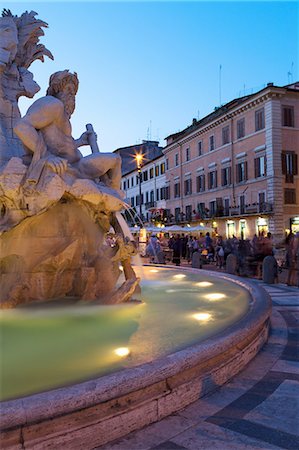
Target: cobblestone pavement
<point x="257" y="409"/>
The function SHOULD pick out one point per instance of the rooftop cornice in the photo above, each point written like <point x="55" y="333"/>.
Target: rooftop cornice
<point x="260" y="97"/>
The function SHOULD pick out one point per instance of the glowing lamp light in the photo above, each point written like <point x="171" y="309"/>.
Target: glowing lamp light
<point x="122" y="351"/>
<point x="154" y="270"/>
<point x="203" y="284"/>
<point x="138" y="158"/>
<point x="215" y="296"/>
<point x="202" y="317"/>
<point x="179" y="276"/>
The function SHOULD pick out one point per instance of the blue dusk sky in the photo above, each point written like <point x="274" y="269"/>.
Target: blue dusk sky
<point x="147" y="68"/>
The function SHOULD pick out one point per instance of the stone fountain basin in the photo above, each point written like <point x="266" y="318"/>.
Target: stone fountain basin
<point x="95" y="412"/>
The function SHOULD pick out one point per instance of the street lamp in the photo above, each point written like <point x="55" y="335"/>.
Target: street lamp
<point x="138" y="159"/>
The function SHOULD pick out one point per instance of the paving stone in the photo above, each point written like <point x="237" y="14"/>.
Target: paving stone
<point x="210" y="437"/>
<point x="286" y="366"/>
<point x="283" y="403"/>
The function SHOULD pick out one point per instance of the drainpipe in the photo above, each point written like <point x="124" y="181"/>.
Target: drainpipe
<point x="232" y="158"/>
<point x="181" y="179"/>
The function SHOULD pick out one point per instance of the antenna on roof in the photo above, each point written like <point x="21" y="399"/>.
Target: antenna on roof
<point x="290" y="74"/>
<point x="149" y="131"/>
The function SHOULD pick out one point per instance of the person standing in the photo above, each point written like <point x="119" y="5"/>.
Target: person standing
<point x="177" y="251"/>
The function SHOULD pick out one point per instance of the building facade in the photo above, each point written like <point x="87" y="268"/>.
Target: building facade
<point x="144" y="188"/>
<point x="237" y="168"/>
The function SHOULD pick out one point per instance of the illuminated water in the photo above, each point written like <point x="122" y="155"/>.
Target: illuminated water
<point x="50" y="346"/>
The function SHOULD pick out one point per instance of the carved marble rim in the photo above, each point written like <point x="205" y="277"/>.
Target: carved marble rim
<point x="65" y="400"/>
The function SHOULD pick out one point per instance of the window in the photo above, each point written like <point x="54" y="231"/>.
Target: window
<point x="177" y="214"/>
<point x="225" y="135"/>
<point x="212" y="207"/>
<point x="259" y="119"/>
<point x="176" y="159"/>
<point x="260" y="167"/>
<point x="152" y="196"/>
<point x="290" y="196"/>
<point x="145" y="175"/>
<point x="132" y="181"/>
<point x="146" y="197"/>
<point x="226" y="176"/>
<point x="188" y="154"/>
<point x="188" y="186"/>
<point x="241" y="172"/>
<point x="199" y="148"/>
<point x="211" y="143"/>
<point x="167" y="164"/>
<point x="189" y="213"/>
<point x="177" y="190"/>
<point x="167" y="192"/>
<point x="288" y="116"/>
<point x="162" y="168"/>
<point x="262" y="201"/>
<point x="137" y="179"/>
<point x="201" y="207"/>
<point x="157" y="194"/>
<point x="157" y="171"/>
<point x="289" y="162"/>
<point x="241" y="128"/>
<point x="151" y="172"/>
<point x="200" y="183"/>
<point x="132" y="201"/>
<point x="125" y="185"/>
<point x="212" y="177"/>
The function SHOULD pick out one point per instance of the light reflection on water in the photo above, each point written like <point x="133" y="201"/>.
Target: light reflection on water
<point x="49" y="346"/>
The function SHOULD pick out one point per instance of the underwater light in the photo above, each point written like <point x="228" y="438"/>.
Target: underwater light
<point x="204" y="317"/>
<point x="203" y="284"/>
<point x="215" y="296"/>
<point x="122" y="351"/>
<point x="154" y="270"/>
<point x="179" y="276"/>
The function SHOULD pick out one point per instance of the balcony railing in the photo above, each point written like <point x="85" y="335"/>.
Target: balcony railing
<point x="254" y="209"/>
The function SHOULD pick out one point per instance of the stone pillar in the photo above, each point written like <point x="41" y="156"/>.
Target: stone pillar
<point x="274" y="174"/>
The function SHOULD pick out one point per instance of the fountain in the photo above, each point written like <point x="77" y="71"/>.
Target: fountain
<point x="82" y="364"/>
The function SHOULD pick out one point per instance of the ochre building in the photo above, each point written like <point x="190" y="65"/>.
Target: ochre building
<point x="237" y="168"/>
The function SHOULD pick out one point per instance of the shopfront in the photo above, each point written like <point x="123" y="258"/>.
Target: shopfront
<point x="294" y="224"/>
<point x="262" y="226"/>
<point x="230" y="229"/>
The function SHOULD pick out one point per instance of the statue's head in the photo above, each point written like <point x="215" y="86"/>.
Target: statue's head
<point x="64" y="86"/>
<point x="8" y="40"/>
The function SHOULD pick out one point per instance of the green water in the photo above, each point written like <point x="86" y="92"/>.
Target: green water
<point x="44" y="347"/>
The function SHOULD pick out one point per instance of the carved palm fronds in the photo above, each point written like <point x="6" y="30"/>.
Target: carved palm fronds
<point x="29" y="32"/>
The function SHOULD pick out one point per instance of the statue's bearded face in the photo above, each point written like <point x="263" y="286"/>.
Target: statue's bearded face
<point x="67" y="96"/>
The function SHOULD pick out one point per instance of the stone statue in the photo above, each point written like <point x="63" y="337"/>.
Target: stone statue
<point x="56" y="206"/>
<point x="45" y="131"/>
<point x="19" y="47"/>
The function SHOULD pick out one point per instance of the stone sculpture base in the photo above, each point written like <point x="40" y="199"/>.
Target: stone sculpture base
<point x="58" y="253"/>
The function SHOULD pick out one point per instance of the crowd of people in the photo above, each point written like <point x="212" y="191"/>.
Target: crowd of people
<point x="249" y="253"/>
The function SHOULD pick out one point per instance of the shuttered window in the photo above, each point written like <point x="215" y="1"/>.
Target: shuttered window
<point x="260" y="119"/>
<point x="241" y="172"/>
<point x="226" y="176"/>
<point x="260" y="167"/>
<point x="288" y="116"/>
<point x="290" y="196"/>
